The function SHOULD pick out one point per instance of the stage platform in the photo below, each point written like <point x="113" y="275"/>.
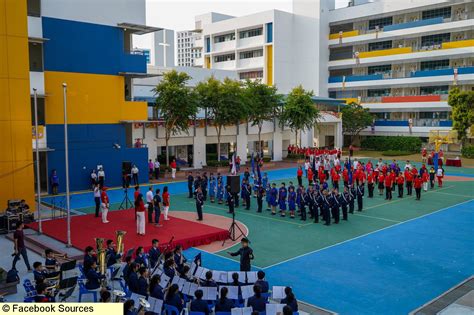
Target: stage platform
<point x="84" y="228"/>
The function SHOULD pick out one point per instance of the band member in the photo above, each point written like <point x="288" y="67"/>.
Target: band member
<point x="154" y="253"/>
<point x="360" y="195"/>
<point x="140" y="211"/>
<point x="274" y="198"/>
<point x="179" y="258"/>
<point x="291" y="201"/>
<point x="245" y="253"/>
<point x="140" y="257"/>
<point x="282" y="194"/>
<point x="105" y="204"/>
<point x="400" y="181"/>
<point x="93" y="277"/>
<point x="352" y="196"/>
<point x="199" y="203"/>
<point x="190" y="185"/>
<point x="111" y="254"/>
<point x="260" y="195"/>
<point x="89" y="258"/>
<point x="324" y="203"/>
<point x="344" y="201"/>
<point x="334" y="203"/>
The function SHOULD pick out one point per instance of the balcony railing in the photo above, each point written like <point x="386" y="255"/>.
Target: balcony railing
<point x="415" y="123"/>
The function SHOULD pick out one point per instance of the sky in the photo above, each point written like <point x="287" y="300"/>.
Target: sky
<point x="179" y="15"/>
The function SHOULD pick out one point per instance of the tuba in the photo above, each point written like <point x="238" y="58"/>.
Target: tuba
<point x="119" y="241"/>
<point x="99" y="242"/>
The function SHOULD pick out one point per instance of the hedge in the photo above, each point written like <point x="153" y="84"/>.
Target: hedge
<point x="398" y="143"/>
<point x="293" y="156"/>
<point x="395" y="153"/>
<point x="217" y="163"/>
<point x="468" y="151"/>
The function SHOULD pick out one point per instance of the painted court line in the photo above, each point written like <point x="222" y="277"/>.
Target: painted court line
<point x="227" y="258"/>
<point x="377" y="218"/>
<point x="457" y="195"/>
<point x="366" y="234"/>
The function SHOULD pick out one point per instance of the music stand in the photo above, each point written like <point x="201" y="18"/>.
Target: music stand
<point x="234" y="227"/>
<point x="126" y="202"/>
<point x="130" y="252"/>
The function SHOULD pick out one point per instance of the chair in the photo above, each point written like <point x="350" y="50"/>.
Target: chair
<point x="196" y="313"/>
<point x="30" y="299"/>
<point x="266" y="296"/>
<point x="170" y="310"/>
<point x="83" y="290"/>
<point x="29" y="288"/>
<point x="223" y="313"/>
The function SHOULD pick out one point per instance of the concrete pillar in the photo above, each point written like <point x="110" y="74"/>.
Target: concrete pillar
<point x="199" y="148"/>
<point x="242" y="141"/>
<point x="252" y="145"/>
<point x="307" y="137"/>
<point x="277" y="144"/>
<point x="338" y="136"/>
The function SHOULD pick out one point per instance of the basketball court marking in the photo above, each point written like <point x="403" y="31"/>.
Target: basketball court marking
<point x="376" y="218"/>
<point x="363" y="235"/>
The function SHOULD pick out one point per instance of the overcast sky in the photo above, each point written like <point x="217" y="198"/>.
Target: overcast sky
<point x="179" y="15"/>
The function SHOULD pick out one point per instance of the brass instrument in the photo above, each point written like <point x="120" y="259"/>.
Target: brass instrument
<point x="101" y="255"/>
<point x="119" y="241"/>
<point x="119" y="295"/>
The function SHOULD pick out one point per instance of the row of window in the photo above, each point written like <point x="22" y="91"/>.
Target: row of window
<point x="421" y="115"/>
<point x="242" y="34"/>
<point x="243" y="55"/>
<point x="251" y="75"/>
<point x="224" y="38"/>
<point x="424" y="90"/>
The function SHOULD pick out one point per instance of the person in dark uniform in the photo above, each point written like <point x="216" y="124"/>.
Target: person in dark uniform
<point x="352" y="196"/>
<point x="324" y="204"/>
<point x="230" y="199"/>
<point x="154" y="253"/>
<point x="360" y="195"/>
<point x="197" y="182"/>
<point x="334" y="202"/>
<point x="260" y="195"/>
<point x="344" y="201"/>
<point x="247" y="190"/>
<point x="190" y="184"/>
<point x="309" y="201"/>
<point x="204" y="182"/>
<point x="302" y="202"/>
<point x="199" y="203"/>
<point x="246" y="255"/>
<point x="111" y="254"/>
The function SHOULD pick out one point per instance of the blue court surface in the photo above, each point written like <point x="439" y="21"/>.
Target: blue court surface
<point x="392" y="271"/>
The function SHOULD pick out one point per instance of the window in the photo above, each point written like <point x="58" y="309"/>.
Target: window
<point x="379" y="69"/>
<point x="340" y="53"/>
<point x="378" y="92"/>
<point x="224" y="38"/>
<point x="335" y="29"/>
<point x="436" y="90"/>
<point x="380" y="116"/>
<point x="380" y="22"/>
<point x="41" y="111"/>
<point x="34" y="7"/>
<point x="380" y="45"/>
<point x="340" y="72"/>
<point x="36" y="56"/>
<point x="251" y="75"/>
<point x="436" y="39"/>
<point x="441" y="12"/>
<point x="251" y="54"/>
<point x="223" y="58"/>
<point x="434" y="65"/>
<point x="433" y="115"/>
<point x="251" y="33"/>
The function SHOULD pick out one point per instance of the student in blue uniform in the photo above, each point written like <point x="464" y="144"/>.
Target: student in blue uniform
<point x="247" y="194"/>
<point x="324" y="204"/>
<point x="268" y="196"/>
<point x="274" y="198"/>
<point x="204" y="184"/>
<point x="111" y="254"/>
<point x="292" y="201"/>
<point x="282" y="195"/>
<point x="360" y="195"/>
<point x="257" y="302"/>
<point x="334" y="202"/>
<point x="212" y="188"/>
<point x="302" y="202"/>
<point x="173" y="298"/>
<point x="142" y="281"/>
<point x="220" y="191"/>
<point x="140" y="257"/>
<point x="265" y="180"/>
<point x="223" y="303"/>
<point x="262" y="282"/>
<point x="309" y="201"/>
<point x="352" y="196"/>
<point x="190" y="184"/>
<point x="154" y="253"/>
<point x="198" y="305"/>
<point x="344" y="201"/>
<point x="260" y="195"/>
<point x="290" y="300"/>
<point x="93" y="278"/>
<point x="156" y="291"/>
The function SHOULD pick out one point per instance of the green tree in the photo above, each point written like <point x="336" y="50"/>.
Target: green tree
<point x="176" y="104"/>
<point x="264" y="104"/>
<point x="224" y="103"/>
<point x="462" y="103"/>
<point x="355" y="118"/>
<point x="299" y="112"/>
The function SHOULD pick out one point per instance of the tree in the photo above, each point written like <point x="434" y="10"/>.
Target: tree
<point x="264" y="104"/>
<point x="462" y="103"/>
<point x="299" y="111"/>
<point x="355" y="118"/>
<point x="224" y="103"/>
<point x="176" y="104"/>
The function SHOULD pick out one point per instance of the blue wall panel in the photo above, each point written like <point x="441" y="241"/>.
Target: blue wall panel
<point x="269" y="32"/>
<point x="87" y="48"/>
<point x="392" y="123"/>
<point x="353" y="78"/>
<point x="446" y="123"/>
<point x="419" y="23"/>
<point x="89" y="146"/>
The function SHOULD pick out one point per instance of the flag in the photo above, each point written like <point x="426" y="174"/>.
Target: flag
<point x="343" y="82"/>
<point x="234" y="168"/>
<point x="455" y="72"/>
<point x="340" y="37"/>
<point x="259" y="174"/>
<point x="252" y="162"/>
<point x="198" y="259"/>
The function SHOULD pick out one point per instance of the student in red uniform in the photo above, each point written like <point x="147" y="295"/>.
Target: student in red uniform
<point x="424" y="155"/>
<point x="417" y="184"/>
<point x="345" y="177"/>
<point x="370" y="184"/>
<point x="440" y="175"/>
<point x="381" y="180"/>
<point x="335" y="180"/>
<point x="388" y="186"/>
<point x="400" y="181"/>
<point x="425" y="178"/>
<point x="409" y="182"/>
<point x="310" y="176"/>
<point x="299" y="175"/>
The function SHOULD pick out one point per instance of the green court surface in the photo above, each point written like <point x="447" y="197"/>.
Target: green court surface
<point x="275" y="239"/>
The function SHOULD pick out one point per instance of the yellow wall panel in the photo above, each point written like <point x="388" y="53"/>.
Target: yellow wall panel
<point x="3" y="56"/>
<point x="20" y="94"/>
<point x="4" y="100"/>
<point x="270" y="65"/>
<point x="15" y="17"/>
<point x="385" y="52"/>
<point x="91" y="99"/>
<point x="3" y="22"/>
<point x="18" y="61"/>
<point x="6" y="181"/>
<point x="23" y="181"/>
<point x="5" y="132"/>
<point x="21" y="133"/>
<point x="458" y="44"/>
<point x="344" y="34"/>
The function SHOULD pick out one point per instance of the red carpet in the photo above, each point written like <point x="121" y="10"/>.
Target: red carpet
<point x="85" y="228"/>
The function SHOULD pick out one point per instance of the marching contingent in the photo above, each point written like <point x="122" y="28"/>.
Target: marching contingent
<point x="332" y="186"/>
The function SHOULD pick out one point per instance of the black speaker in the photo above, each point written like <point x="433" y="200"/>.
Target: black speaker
<point x="234" y="182"/>
<point x="126" y="167"/>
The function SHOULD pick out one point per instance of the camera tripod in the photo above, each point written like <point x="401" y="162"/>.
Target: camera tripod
<point x="235" y="232"/>
<point x="126" y="202"/>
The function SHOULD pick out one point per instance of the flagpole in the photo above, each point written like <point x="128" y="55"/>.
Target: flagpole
<point x="38" y="184"/>
<point x="66" y="157"/>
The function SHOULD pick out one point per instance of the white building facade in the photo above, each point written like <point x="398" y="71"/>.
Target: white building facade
<point x="185" y="48"/>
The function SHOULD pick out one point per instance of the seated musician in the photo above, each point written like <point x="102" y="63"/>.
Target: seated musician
<point x="23" y="205"/>
<point x="40" y="273"/>
<point x="198" y="305"/>
<point x="262" y="282"/>
<point x="140" y="257"/>
<point x="89" y="258"/>
<point x="41" y="295"/>
<point x="127" y="268"/>
<point x="169" y="268"/>
<point x="133" y="278"/>
<point x="50" y="263"/>
<point x="209" y="282"/>
<point x="112" y="256"/>
<point x="156" y="291"/>
<point x="154" y="253"/>
<point x="142" y="281"/>
<point x="93" y="277"/>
